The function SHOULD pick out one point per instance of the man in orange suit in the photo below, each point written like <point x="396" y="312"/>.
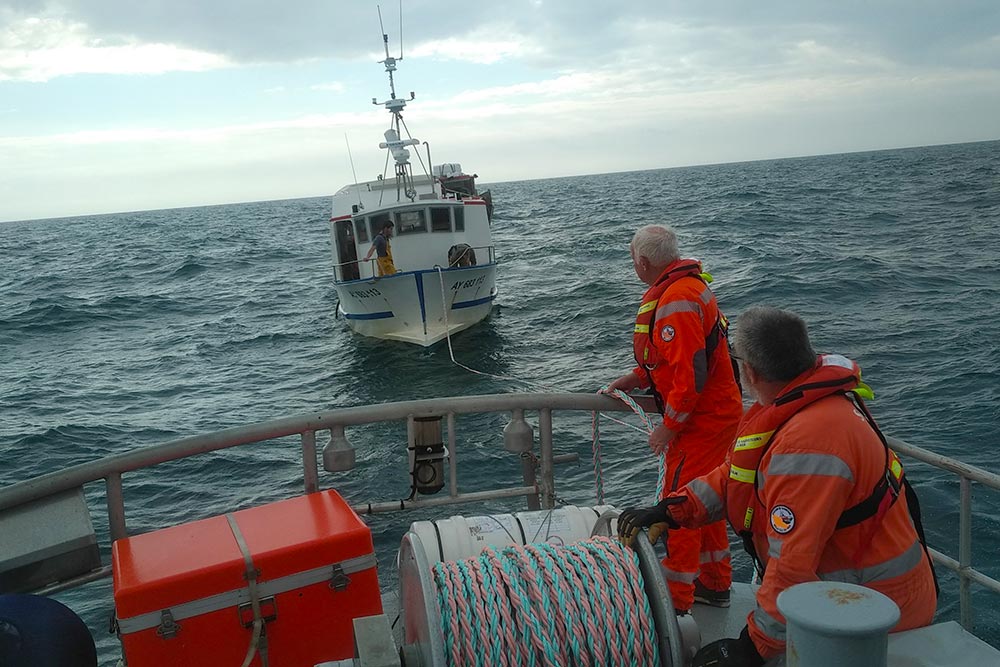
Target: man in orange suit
<point x="811" y="486"/>
<point x="682" y="355"/>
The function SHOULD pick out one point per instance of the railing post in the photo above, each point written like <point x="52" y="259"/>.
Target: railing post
<point x="519" y="438"/>
<point x="310" y="471"/>
<point x="452" y="458"/>
<point x="545" y="438"/>
<point x="116" y="506"/>
<point x="965" y="551"/>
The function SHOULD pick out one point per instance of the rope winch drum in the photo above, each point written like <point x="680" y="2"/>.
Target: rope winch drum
<point x="507" y="606"/>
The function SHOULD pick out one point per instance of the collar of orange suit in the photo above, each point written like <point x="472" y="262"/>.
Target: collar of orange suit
<point x="832" y="374"/>
<point x="682" y="268"/>
<point x="675" y="271"/>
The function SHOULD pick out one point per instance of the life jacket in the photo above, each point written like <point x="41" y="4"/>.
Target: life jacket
<point x="646" y="355"/>
<point x="832" y="374"/>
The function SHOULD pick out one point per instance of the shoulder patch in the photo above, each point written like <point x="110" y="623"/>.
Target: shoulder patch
<point x="667" y="333"/>
<point x="782" y="519"/>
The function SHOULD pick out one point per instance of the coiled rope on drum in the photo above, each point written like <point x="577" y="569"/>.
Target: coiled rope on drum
<point x="539" y="604"/>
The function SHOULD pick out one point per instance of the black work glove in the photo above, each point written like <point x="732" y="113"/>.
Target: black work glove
<point x="738" y="652"/>
<point x="656" y="518"/>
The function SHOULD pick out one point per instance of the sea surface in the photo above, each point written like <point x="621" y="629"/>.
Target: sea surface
<point x="126" y="330"/>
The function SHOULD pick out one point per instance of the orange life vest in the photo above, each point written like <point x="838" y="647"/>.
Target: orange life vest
<point x="832" y="374"/>
<point x="646" y="355"/>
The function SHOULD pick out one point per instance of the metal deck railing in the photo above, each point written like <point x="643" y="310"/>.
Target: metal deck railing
<point x="963" y="566"/>
<point x="339" y="269"/>
<point x="539" y="491"/>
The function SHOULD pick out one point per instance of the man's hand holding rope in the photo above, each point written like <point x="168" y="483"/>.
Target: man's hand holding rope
<point x="656" y="518"/>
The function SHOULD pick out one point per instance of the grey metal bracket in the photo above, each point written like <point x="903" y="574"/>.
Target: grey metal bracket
<point x="268" y="611"/>
<point x="339" y="581"/>
<point x="168" y="629"/>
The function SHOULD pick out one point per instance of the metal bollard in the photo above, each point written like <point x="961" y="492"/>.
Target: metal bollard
<point x="832" y="624"/>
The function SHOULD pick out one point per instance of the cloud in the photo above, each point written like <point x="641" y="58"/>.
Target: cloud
<point x="482" y="46"/>
<point x="332" y="86"/>
<point x="567" y="87"/>
<point x="562" y="35"/>
<point x="204" y="135"/>
<point x="40" y="49"/>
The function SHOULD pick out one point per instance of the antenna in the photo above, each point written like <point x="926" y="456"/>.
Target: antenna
<point x="381" y="28"/>
<point x="389" y="62"/>
<point x="393" y="105"/>
<point x="357" y="188"/>
<point x="394" y="142"/>
<point x="400" y="29"/>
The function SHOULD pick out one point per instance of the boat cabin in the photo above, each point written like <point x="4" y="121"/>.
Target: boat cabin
<point x="430" y="231"/>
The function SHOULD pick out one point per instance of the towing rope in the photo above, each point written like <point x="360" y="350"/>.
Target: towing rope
<point x="595" y="416"/>
<point x="538" y="604"/>
<point x="595" y="426"/>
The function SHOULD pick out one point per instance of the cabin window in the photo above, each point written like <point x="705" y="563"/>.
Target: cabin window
<point x="360" y="231"/>
<point x="410" y="222"/>
<point x="377" y="220"/>
<point x="459" y="218"/>
<point x="440" y="219"/>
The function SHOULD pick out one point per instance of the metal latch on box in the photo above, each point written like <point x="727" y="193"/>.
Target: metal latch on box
<point x="268" y="611"/>
<point x="168" y="622"/>
<point x="167" y="629"/>
<point x="338" y="579"/>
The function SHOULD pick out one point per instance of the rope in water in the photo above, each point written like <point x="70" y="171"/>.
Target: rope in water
<point x="445" y="306"/>
<point x="581" y="604"/>
<point x="595" y="416"/>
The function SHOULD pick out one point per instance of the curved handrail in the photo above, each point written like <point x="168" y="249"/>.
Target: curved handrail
<point x="111" y="468"/>
<point x="74" y="476"/>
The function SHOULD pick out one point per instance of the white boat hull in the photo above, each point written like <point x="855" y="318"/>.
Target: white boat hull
<point x="409" y="307"/>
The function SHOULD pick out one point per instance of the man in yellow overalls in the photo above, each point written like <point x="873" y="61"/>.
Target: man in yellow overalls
<point x="381" y="246"/>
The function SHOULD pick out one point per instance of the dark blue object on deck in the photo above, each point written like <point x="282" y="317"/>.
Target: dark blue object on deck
<point x="37" y="631"/>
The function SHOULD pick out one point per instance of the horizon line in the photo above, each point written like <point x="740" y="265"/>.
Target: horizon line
<point x="526" y="180"/>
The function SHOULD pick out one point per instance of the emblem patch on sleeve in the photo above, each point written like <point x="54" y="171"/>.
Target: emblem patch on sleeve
<point x="782" y="519"/>
<point x="667" y="333"/>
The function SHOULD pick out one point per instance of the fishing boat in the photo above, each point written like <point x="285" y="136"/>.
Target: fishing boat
<point x="441" y="273"/>
<point x="294" y="582"/>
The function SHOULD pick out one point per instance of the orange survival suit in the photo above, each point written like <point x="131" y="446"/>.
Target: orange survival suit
<point x="817" y="494"/>
<point x="681" y="348"/>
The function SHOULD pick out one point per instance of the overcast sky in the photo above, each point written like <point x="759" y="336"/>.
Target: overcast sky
<point x="119" y="105"/>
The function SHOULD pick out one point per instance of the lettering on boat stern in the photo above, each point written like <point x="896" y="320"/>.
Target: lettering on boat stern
<point x="466" y="284"/>
<point x="841" y="596"/>
<point x="365" y="293"/>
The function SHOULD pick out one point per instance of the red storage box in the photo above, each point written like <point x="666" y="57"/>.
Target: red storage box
<point x="183" y="598"/>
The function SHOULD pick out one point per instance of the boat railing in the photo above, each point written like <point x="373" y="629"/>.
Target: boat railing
<point x="351" y="270"/>
<point x="340" y="270"/>
<point x="348" y="270"/>
<point x="967" y="474"/>
<point x="538" y="472"/>
<point x="491" y="253"/>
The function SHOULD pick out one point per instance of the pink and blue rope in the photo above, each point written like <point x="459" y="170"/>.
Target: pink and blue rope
<point x="595" y="429"/>
<point x="539" y="604"/>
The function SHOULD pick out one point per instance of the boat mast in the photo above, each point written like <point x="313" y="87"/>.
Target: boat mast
<point x="393" y="142"/>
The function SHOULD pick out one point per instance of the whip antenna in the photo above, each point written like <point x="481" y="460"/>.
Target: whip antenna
<point x="400" y="29"/>
<point x="357" y="188"/>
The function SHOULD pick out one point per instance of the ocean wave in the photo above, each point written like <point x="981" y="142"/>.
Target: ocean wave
<point x="171" y="323"/>
<point x="189" y="269"/>
<point x="51" y="315"/>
